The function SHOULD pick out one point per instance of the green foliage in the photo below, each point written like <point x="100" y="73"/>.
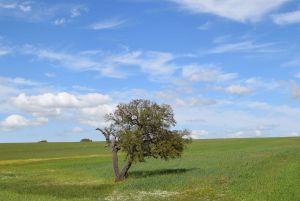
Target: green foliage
<point x="142" y="129"/>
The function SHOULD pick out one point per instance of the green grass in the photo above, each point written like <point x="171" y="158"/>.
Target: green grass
<point x="223" y="169"/>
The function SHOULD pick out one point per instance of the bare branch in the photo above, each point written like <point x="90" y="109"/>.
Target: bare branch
<point x="106" y="134"/>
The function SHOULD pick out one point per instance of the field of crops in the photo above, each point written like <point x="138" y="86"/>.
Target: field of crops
<point x="223" y="169"/>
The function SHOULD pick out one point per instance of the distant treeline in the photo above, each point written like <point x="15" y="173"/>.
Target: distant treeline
<point x="82" y="140"/>
<point x="86" y="140"/>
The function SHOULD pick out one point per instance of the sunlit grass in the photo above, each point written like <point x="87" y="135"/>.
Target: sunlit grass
<point x="230" y="169"/>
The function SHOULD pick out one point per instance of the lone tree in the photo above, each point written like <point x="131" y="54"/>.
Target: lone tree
<point x="142" y="129"/>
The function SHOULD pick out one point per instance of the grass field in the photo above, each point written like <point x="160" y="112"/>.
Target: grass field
<point x="225" y="169"/>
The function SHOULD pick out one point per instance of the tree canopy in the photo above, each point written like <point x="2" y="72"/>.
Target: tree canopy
<point x="142" y="129"/>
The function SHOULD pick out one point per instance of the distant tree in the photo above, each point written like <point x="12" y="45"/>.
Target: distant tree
<point x="43" y="141"/>
<point x="142" y="129"/>
<point x="86" y="140"/>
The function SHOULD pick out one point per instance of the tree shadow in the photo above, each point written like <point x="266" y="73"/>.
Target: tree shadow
<point x="149" y="173"/>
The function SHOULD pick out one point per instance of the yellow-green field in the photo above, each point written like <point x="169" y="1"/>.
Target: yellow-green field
<point x="227" y="169"/>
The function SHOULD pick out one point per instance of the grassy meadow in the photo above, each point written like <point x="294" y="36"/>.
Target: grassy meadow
<point x="222" y="169"/>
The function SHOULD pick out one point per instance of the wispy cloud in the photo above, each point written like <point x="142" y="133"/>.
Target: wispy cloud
<point x="244" y="46"/>
<point x="287" y="18"/>
<point x="206" y="73"/>
<point x="237" y="10"/>
<point x="33" y="11"/>
<point x="74" y="12"/>
<point x="151" y="62"/>
<point x="261" y="84"/>
<point x="65" y="58"/>
<point x="60" y="21"/>
<point x="194" y="102"/>
<point x="17" y="81"/>
<point x="17" y="6"/>
<point x="283" y="109"/>
<point x="107" y="24"/>
<point x="109" y="64"/>
<point x="4" y="52"/>
<point x="83" y="88"/>
<point x="235" y="89"/>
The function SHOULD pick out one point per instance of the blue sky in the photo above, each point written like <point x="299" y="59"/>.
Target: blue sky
<point x="228" y="68"/>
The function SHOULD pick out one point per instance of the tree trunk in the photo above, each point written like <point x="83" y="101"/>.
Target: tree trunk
<point x="124" y="172"/>
<point x="119" y="176"/>
<point x="114" y="150"/>
<point x="115" y="163"/>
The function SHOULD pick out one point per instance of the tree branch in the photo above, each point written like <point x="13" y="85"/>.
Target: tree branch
<point x="106" y="134"/>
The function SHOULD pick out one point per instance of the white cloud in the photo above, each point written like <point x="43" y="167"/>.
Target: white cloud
<point x="237" y="10"/>
<point x="206" y="73"/>
<point x="50" y="75"/>
<point x="199" y="132"/>
<point x="107" y="24"/>
<point x="196" y="134"/>
<point x="17" y="81"/>
<point x="10" y="87"/>
<point x="25" y="7"/>
<point x="14" y="121"/>
<point x="287" y="18"/>
<point x="60" y="21"/>
<point x="237" y="90"/>
<point x="74" y="61"/>
<point x="83" y="88"/>
<point x="259" y="105"/>
<point x="8" y="5"/>
<point x="21" y="6"/>
<point x="52" y="104"/>
<point x="76" y="12"/>
<point x="37" y="11"/>
<point x="6" y="91"/>
<point x="221" y="118"/>
<point x="260" y="84"/>
<point x="94" y="116"/>
<point x="151" y="62"/>
<point x="282" y="109"/>
<point x="244" y="46"/>
<point x="87" y="108"/>
<point x="234" y="89"/>
<point x="294" y="134"/>
<point x="194" y="101"/>
<point x="247" y="133"/>
<point x="5" y="51"/>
